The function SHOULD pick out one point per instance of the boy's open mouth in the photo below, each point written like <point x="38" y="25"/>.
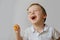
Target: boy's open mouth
<point x="33" y="17"/>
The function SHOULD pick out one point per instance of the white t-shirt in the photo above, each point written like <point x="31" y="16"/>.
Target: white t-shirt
<point x="49" y="33"/>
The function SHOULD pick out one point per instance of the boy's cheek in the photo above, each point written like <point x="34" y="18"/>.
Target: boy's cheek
<point x="29" y="19"/>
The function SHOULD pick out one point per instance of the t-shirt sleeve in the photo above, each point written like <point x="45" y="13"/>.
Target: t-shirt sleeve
<point x="56" y="34"/>
<point x="25" y="35"/>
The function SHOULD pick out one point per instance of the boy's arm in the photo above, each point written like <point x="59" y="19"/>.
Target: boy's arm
<point x="17" y="31"/>
<point x="58" y="38"/>
<point x="18" y="36"/>
<point x="56" y="34"/>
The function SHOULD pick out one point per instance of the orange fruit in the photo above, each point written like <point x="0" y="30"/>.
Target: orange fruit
<point x="16" y="27"/>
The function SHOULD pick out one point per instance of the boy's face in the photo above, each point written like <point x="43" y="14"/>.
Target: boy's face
<point x="35" y="14"/>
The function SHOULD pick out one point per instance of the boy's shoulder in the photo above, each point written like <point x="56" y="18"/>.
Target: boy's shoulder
<point x="49" y="27"/>
<point x="28" y="29"/>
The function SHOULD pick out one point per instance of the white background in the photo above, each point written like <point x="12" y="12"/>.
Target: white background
<point x="14" y="12"/>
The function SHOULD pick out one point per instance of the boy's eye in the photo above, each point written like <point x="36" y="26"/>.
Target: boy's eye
<point x="29" y="13"/>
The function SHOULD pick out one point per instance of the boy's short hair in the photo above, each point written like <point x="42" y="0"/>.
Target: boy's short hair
<point x="41" y="8"/>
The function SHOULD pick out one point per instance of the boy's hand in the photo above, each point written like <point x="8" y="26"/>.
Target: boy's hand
<point x="16" y="28"/>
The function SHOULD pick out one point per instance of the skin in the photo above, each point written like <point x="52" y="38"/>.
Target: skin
<point x="58" y="38"/>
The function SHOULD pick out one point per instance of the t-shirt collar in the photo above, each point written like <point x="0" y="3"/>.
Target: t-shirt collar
<point x="45" y="28"/>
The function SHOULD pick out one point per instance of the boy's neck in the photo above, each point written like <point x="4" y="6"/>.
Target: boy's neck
<point x="39" y="26"/>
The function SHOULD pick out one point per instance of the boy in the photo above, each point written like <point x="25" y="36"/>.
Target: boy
<point x="39" y="30"/>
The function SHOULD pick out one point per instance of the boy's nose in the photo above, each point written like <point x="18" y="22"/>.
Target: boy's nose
<point x="32" y="12"/>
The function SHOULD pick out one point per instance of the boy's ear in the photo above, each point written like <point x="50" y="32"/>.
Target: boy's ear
<point x="44" y="16"/>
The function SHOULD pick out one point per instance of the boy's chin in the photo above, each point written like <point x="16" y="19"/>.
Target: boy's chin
<point x="34" y="22"/>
